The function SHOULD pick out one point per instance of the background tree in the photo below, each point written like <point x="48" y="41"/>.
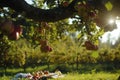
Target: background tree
<point x="5" y="45"/>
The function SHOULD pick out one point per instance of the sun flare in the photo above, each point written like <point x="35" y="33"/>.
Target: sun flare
<point x="111" y="21"/>
<point x="113" y="35"/>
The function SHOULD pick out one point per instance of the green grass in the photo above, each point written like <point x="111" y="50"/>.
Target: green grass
<point x="6" y="78"/>
<point x="77" y="76"/>
<point x="83" y="74"/>
<point x="93" y="76"/>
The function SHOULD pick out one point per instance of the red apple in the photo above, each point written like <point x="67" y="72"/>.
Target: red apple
<point x="7" y="27"/>
<point x="88" y="43"/>
<point x="50" y="49"/>
<point x="90" y="46"/>
<point x="19" y="29"/>
<point x="46" y="49"/>
<point x="14" y="35"/>
<point x="65" y="4"/>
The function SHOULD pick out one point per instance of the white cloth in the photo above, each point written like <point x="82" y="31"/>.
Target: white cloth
<point x="22" y="75"/>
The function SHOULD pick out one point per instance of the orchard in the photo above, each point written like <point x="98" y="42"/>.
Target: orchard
<point x="56" y="31"/>
<point x="88" y="14"/>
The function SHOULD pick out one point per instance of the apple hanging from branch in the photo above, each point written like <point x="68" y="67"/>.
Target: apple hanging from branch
<point x="11" y="30"/>
<point x="65" y="4"/>
<point x="7" y="27"/>
<point x="46" y="48"/>
<point x="90" y="46"/>
<point x="15" y="35"/>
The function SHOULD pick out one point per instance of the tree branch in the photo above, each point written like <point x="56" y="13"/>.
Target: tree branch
<point x="55" y="14"/>
<point x="38" y="14"/>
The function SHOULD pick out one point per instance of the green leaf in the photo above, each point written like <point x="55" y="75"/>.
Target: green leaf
<point x="109" y="6"/>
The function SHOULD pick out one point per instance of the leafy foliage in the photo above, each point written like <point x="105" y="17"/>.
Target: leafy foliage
<point x="55" y="42"/>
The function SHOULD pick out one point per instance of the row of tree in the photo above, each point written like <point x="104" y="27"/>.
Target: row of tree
<point x="68" y="51"/>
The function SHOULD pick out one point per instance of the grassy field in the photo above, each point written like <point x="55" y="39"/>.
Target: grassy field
<point x="77" y="76"/>
<point x="95" y="76"/>
<point x="83" y="75"/>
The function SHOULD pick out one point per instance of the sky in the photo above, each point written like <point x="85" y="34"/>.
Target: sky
<point x="29" y="1"/>
<point x="114" y="35"/>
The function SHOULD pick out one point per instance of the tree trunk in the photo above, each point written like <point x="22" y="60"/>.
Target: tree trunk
<point x="48" y="65"/>
<point x="77" y="63"/>
<point x="24" y="68"/>
<point x="5" y="69"/>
